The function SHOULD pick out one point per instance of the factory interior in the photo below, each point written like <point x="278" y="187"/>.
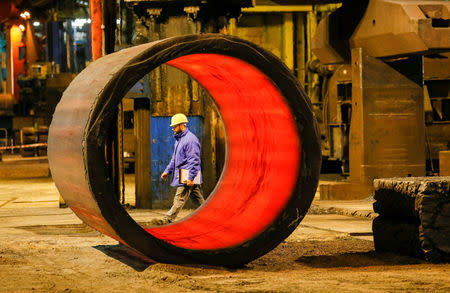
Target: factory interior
<point x="324" y="128"/>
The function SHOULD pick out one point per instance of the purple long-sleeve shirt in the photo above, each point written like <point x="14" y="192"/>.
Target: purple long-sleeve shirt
<point x="186" y="155"/>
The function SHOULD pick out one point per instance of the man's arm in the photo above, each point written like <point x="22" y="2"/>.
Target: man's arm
<point x="170" y="167"/>
<point x="193" y="159"/>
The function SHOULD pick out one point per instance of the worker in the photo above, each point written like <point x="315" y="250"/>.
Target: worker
<point x="185" y="167"/>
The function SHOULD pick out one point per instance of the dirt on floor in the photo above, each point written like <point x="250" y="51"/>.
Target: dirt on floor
<point x="74" y="258"/>
<point x="47" y="249"/>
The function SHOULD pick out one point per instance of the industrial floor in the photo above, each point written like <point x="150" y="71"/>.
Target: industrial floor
<point x="44" y="248"/>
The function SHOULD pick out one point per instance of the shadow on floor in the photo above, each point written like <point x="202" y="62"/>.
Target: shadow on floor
<point x="126" y="256"/>
<point x="357" y="260"/>
<point x="341" y="252"/>
<point x="74" y="230"/>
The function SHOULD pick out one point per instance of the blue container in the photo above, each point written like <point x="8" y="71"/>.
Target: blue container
<point x="162" y="146"/>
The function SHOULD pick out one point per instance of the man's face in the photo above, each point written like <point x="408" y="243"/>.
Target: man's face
<point x="176" y="128"/>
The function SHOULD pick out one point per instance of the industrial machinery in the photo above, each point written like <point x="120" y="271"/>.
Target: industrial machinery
<point x="374" y="114"/>
<point x="40" y="53"/>
<point x="374" y="106"/>
<point x="213" y="12"/>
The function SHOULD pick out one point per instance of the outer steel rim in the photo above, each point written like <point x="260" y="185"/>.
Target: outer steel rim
<point x="82" y="118"/>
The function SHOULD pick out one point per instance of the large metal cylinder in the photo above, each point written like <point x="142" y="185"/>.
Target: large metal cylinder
<point x="273" y="150"/>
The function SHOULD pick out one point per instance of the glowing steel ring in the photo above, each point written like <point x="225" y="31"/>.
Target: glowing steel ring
<point x="273" y="156"/>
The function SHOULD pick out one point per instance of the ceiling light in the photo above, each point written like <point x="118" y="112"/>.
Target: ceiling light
<point x="25" y="15"/>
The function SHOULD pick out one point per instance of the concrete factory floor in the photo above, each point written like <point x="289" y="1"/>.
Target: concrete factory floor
<point x="47" y="249"/>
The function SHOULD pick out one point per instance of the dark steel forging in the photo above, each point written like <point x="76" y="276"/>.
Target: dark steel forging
<point x="273" y="150"/>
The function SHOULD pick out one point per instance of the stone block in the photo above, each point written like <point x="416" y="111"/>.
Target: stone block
<point x="393" y="235"/>
<point x="408" y="197"/>
<point x="414" y="211"/>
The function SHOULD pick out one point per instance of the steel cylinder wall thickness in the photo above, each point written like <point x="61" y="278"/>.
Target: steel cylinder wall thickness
<point x="273" y="150"/>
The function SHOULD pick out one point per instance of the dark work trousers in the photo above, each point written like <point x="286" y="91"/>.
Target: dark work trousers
<point x="181" y="196"/>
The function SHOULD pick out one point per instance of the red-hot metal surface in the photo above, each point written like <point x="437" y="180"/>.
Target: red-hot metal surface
<point x="263" y="155"/>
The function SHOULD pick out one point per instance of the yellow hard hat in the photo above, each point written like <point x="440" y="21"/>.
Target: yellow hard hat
<point x="178" y="119"/>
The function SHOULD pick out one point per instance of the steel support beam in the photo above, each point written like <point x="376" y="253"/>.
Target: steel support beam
<point x="95" y="9"/>
<point x="143" y="159"/>
<point x="387" y="132"/>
